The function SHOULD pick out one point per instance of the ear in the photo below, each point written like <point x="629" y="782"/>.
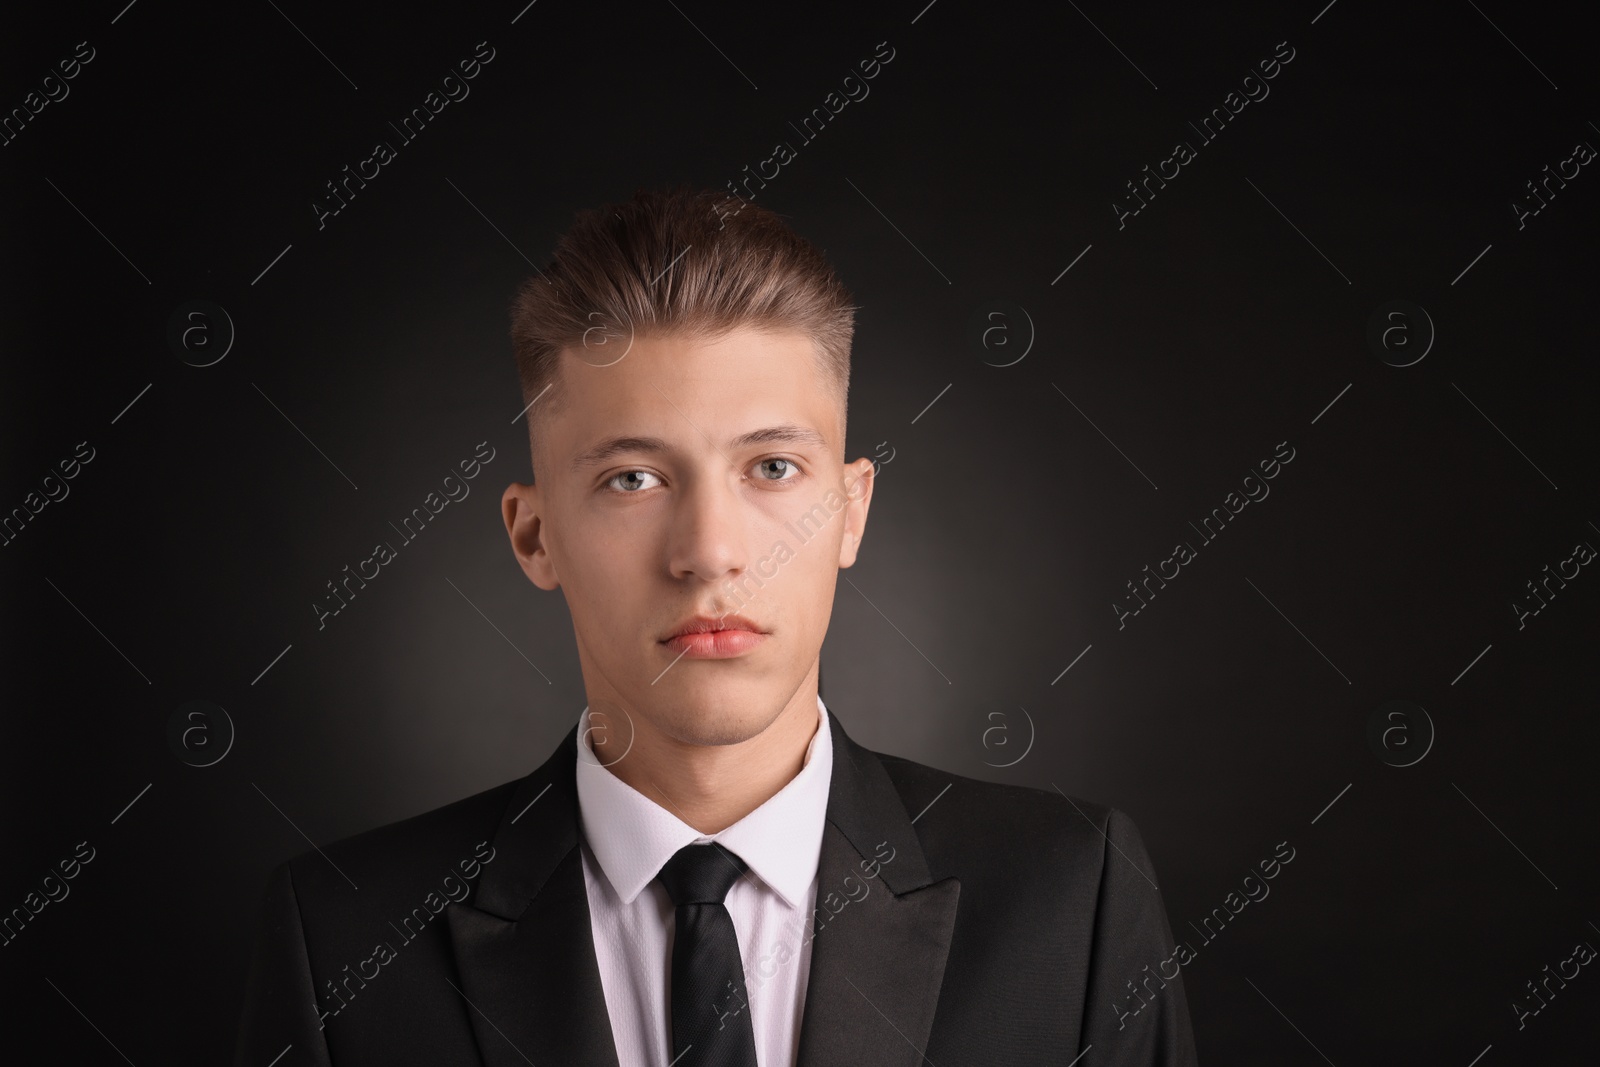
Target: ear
<point x="522" y="508"/>
<point x="859" y="478"/>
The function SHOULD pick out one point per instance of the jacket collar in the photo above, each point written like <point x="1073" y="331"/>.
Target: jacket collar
<point x="879" y="936"/>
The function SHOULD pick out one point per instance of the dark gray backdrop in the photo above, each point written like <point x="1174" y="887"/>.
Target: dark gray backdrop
<point x="1151" y="362"/>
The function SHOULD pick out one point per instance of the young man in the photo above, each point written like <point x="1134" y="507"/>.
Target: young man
<point x="708" y="869"/>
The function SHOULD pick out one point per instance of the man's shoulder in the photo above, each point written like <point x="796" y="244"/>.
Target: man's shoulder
<point x="965" y="823"/>
<point x="440" y="851"/>
<point x="1042" y="870"/>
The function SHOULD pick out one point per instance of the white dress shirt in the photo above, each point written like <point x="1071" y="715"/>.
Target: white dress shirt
<point x="628" y="839"/>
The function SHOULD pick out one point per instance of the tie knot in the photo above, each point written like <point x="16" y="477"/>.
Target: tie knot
<point x="701" y="874"/>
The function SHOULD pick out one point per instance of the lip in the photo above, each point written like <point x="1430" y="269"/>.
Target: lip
<point x="705" y="624"/>
<point x="715" y="637"/>
<point x="715" y="644"/>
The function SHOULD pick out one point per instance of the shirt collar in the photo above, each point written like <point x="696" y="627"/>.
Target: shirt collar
<point x="632" y="836"/>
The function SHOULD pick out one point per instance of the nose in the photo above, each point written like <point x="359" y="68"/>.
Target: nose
<point x="708" y="531"/>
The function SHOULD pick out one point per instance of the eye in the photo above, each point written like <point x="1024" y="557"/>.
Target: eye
<point x="628" y="482"/>
<point x="778" y="469"/>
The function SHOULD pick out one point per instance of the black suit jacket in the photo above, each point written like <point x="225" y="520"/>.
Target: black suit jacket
<point x="958" y="921"/>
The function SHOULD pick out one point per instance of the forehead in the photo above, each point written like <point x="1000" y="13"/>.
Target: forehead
<point x="743" y="355"/>
<point x="703" y="391"/>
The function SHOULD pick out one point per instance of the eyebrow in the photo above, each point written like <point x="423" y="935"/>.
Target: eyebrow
<point x="616" y="446"/>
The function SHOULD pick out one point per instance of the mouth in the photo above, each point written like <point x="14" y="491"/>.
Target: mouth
<point x="723" y="637"/>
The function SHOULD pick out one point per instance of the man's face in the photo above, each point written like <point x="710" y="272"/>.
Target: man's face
<point x="658" y="500"/>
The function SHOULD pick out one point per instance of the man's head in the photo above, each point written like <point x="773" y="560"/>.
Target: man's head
<point x="687" y="363"/>
<point x="683" y="262"/>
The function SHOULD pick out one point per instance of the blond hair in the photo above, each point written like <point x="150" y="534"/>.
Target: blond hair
<point x="679" y="262"/>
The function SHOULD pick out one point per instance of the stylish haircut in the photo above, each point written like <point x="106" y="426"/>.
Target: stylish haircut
<point x="678" y="262"/>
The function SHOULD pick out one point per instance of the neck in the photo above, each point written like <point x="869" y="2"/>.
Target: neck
<point x="711" y="787"/>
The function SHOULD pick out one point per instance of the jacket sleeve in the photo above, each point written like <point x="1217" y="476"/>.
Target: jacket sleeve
<point x="1136" y="1014"/>
<point x="280" y="1007"/>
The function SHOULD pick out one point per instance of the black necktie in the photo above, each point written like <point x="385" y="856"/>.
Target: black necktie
<point x="710" y="1005"/>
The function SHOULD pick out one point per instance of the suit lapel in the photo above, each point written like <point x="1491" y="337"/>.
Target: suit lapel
<point x="525" y="954"/>
<point x="524" y="949"/>
<point x="878" y="943"/>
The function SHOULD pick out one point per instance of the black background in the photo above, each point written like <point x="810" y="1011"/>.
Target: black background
<point x="1178" y="351"/>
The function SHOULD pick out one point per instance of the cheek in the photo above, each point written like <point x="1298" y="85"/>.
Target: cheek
<point x="600" y="563"/>
<point x="816" y="563"/>
<point x="807" y="580"/>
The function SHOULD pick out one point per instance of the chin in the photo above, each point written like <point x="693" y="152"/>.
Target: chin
<point x="692" y="724"/>
<point x="719" y="714"/>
